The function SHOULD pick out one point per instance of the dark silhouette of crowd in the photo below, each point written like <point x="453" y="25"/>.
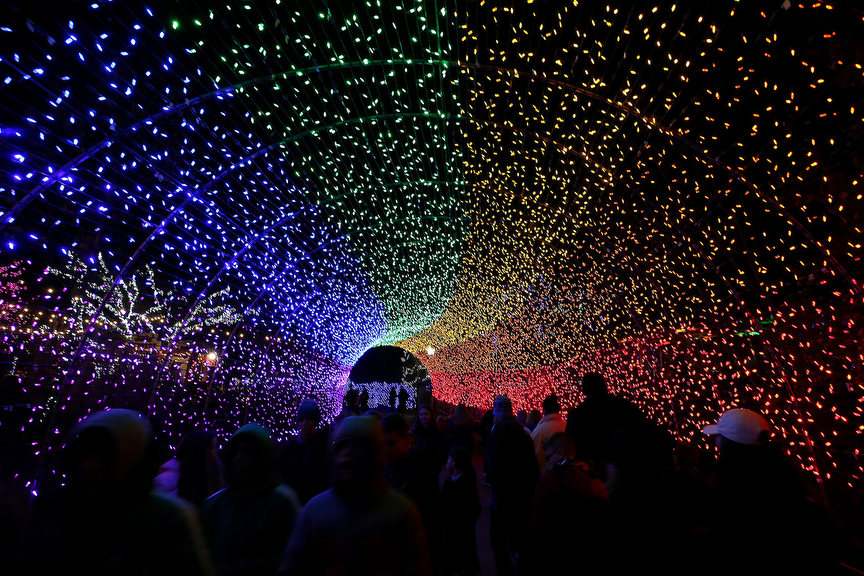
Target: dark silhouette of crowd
<point x="606" y="491"/>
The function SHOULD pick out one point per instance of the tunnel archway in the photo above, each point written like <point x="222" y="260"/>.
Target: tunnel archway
<point x="209" y="213"/>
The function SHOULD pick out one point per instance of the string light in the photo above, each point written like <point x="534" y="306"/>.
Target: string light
<point x="210" y="212"/>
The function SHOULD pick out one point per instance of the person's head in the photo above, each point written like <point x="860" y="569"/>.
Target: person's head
<point x="397" y="438"/>
<point x="199" y="459"/>
<point x="197" y="450"/>
<point x="558" y="448"/>
<point x="358" y="458"/>
<point x="110" y="454"/>
<point x="424" y="416"/>
<point x="534" y="417"/>
<point x="551" y="405"/>
<point x="308" y="418"/>
<point x="741" y="426"/>
<point x="197" y="445"/>
<point x="459" y="460"/>
<point x="594" y="385"/>
<point x="462" y="416"/>
<point x="248" y="456"/>
<point x="522" y="417"/>
<point x="502" y="408"/>
<point x="352" y="398"/>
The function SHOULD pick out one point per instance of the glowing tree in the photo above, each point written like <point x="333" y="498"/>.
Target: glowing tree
<point x="136" y="304"/>
<point x="11" y="287"/>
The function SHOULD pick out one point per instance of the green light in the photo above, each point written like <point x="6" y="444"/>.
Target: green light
<point x="175" y="24"/>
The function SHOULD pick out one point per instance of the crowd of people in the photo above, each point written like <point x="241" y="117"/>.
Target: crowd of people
<point x="603" y="491"/>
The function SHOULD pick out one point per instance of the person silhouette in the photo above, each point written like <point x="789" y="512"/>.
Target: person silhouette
<point x="755" y="479"/>
<point x="360" y="525"/>
<point x="403" y="400"/>
<point x="593" y="422"/>
<point x="392" y="398"/>
<point x="302" y="461"/>
<point x="351" y="401"/>
<point x="364" y="400"/>
<point x="248" y="522"/>
<point x="511" y="469"/>
<point x="107" y="519"/>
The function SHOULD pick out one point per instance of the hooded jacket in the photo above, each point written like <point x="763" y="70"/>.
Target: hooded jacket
<point x="248" y="522"/>
<point x="107" y="520"/>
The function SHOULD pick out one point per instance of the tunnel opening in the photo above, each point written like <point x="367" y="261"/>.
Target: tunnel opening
<point x="393" y="379"/>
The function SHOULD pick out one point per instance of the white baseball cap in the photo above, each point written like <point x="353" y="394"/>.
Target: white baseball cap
<point x="740" y="425"/>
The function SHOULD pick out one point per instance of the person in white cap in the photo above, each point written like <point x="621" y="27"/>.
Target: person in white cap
<point x="764" y="517"/>
<point x="742" y="426"/>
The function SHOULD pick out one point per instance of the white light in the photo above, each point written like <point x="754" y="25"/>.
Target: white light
<point x="430" y="351"/>
<point x="211" y="356"/>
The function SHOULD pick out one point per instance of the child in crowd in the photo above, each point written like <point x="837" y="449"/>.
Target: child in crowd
<point x="461" y="509"/>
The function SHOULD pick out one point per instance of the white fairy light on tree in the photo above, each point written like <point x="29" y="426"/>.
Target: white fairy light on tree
<point x="129" y="309"/>
<point x="11" y="287"/>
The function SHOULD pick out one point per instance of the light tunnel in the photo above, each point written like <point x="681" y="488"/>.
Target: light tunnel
<point x="210" y="210"/>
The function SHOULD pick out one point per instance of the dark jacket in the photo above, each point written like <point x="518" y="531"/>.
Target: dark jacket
<point x="304" y="466"/>
<point x="460" y="509"/>
<point x="593" y="422"/>
<point x="568" y="522"/>
<point x="116" y="525"/>
<point x="510" y="466"/>
<point x="248" y="522"/>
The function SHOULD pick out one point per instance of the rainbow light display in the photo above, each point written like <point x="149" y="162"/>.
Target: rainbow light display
<point x="210" y="210"/>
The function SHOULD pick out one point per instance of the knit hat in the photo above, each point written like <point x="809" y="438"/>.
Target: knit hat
<point x="308" y="410"/>
<point x="740" y="425"/>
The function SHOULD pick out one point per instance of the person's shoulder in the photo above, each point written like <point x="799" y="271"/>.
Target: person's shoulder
<point x="214" y="500"/>
<point x="168" y="508"/>
<point x="285" y="493"/>
<point x="164" y="500"/>
<point x="171" y="465"/>
<point x="587" y="405"/>
<point x="397" y="503"/>
<point x="621" y="401"/>
<point x="324" y="499"/>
